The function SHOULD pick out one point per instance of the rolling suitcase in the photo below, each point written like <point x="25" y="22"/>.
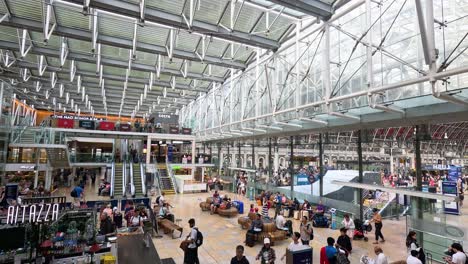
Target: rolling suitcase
<point x="240" y="207"/>
<point x="249" y="239"/>
<point x="296" y="215"/>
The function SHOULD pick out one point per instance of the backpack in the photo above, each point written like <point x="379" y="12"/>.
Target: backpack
<point x="199" y="240"/>
<point x="312" y="234"/>
<point x="73" y="193"/>
<point x="342" y="259"/>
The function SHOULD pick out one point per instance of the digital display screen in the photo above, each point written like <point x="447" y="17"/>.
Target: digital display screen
<point x="15" y="235"/>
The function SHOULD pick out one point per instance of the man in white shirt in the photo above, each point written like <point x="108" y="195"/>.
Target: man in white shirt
<point x="413" y="258"/>
<point x="381" y="258"/>
<point x="459" y="257"/>
<point x="191" y="254"/>
<point x="295" y="244"/>
<point x="280" y="221"/>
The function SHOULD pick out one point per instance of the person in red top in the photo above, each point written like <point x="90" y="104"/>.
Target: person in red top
<point x="328" y="253"/>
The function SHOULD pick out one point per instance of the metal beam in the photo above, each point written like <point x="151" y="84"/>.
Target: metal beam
<point x="84" y="35"/>
<point x="177" y="22"/>
<point x="106" y="61"/>
<point x="315" y="8"/>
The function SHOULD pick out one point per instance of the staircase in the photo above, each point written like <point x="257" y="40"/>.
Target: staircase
<point x="118" y="180"/>
<point x="137" y="180"/>
<point x="165" y="181"/>
<point x="58" y="157"/>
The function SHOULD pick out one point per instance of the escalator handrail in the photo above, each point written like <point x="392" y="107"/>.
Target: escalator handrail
<point x="124" y="177"/>
<point x="132" y="190"/>
<point x="157" y="175"/>
<point x="171" y="175"/>
<point x="112" y="179"/>
<point x="143" y="178"/>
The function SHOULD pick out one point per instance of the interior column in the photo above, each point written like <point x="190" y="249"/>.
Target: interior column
<point x="321" y="165"/>
<point x="291" y="165"/>
<point x="358" y="199"/>
<point x="148" y="151"/>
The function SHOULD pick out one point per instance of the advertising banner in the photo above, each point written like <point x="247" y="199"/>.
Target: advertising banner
<point x="186" y="131"/>
<point x="449" y="188"/>
<point x="86" y="124"/>
<point x="106" y="125"/>
<point x="65" y="123"/>
<point x="125" y="127"/>
<point x="173" y="130"/>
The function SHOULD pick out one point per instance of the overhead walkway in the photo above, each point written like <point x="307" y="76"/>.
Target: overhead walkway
<point x="54" y="144"/>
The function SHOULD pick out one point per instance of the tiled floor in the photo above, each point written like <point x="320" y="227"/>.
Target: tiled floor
<point x="221" y="235"/>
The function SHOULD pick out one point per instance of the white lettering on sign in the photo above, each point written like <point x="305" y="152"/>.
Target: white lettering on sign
<point x="441" y="167"/>
<point x="24" y="167"/>
<point x="164" y="116"/>
<point x="35" y="212"/>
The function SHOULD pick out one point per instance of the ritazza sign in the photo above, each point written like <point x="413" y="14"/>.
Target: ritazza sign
<point x="32" y="213"/>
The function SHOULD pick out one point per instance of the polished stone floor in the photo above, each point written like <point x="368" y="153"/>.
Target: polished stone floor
<point x="221" y="235"/>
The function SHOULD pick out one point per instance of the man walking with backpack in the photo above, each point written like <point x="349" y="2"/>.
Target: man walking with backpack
<point x="195" y="238"/>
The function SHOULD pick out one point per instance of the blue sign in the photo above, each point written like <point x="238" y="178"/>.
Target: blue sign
<point x="454" y="173"/>
<point x="449" y="188"/>
<point x="169" y="152"/>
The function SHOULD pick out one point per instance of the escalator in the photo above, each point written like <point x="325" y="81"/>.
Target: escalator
<point x="118" y="180"/>
<point x="137" y="180"/>
<point x="165" y="181"/>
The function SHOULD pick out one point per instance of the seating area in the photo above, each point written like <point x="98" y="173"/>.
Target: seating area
<point x="169" y="227"/>
<point x="229" y="212"/>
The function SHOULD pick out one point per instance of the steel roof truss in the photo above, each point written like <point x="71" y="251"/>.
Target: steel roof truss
<point x="23" y="37"/>
<point x="172" y="20"/>
<point x="48" y="28"/>
<point x="42" y="64"/>
<point x="83" y="35"/>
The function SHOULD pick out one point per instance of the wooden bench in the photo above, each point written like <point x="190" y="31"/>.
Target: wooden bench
<point x="169" y="227"/>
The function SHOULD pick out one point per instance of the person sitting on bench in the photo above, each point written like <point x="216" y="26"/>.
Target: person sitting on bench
<point x="320" y="210"/>
<point x="257" y="225"/>
<point x="165" y="213"/>
<point x="216" y="203"/>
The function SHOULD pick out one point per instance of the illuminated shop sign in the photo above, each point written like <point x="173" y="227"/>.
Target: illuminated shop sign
<point x="437" y="167"/>
<point x="77" y="117"/>
<point x="32" y="213"/>
<point x="163" y="118"/>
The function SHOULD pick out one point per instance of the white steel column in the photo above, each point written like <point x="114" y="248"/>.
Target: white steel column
<point x="297" y="67"/>
<point x="257" y="78"/>
<point x="193" y="158"/>
<point x="48" y="179"/>
<point x="148" y="151"/>
<point x="431" y="34"/>
<point x="1" y="98"/>
<point x="370" y="70"/>
<point x="326" y="64"/>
